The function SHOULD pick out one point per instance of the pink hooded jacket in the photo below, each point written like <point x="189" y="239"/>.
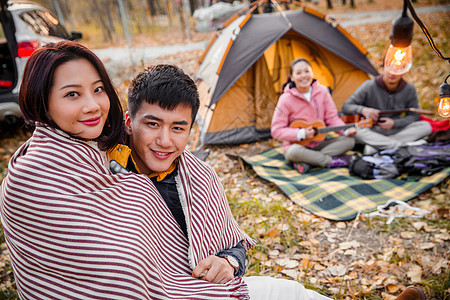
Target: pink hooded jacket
<point x="292" y="106"/>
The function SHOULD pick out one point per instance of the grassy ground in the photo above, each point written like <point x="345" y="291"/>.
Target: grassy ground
<point x="360" y="259"/>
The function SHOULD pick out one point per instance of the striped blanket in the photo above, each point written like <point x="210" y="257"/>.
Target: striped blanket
<point x="76" y="231"/>
<point x="333" y="193"/>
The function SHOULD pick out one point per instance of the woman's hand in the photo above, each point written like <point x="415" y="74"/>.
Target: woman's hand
<point x="309" y="133"/>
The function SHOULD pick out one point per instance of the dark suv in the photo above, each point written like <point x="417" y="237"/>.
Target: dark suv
<point x="26" y="26"/>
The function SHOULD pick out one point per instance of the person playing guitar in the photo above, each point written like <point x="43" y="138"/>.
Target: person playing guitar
<point x="383" y="99"/>
<point x="304" y="98"/>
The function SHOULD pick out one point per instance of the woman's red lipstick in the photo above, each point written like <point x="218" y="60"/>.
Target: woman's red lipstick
<point x="91" y="122"/>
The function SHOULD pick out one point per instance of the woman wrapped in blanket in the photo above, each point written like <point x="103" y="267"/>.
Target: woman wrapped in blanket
<point x="73" y="229"/>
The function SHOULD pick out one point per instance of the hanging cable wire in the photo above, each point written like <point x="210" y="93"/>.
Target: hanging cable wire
<point x="425" y="31"/>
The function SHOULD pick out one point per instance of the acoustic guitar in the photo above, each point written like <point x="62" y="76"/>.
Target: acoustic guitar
<point x="320" y="129"/>
<point x="356" y="118"/>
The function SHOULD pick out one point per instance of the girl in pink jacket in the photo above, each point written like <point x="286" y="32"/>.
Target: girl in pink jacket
<point x="305" y="99"/>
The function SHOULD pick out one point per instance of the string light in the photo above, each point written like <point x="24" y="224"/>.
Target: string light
<point x="444" y="95"/>
<point x="398" y="59"/>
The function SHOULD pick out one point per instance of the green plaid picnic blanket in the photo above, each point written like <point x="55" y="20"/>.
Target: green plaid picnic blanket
<point x="333" y="193"/>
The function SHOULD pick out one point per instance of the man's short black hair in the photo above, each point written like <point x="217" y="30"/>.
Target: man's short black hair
<point x="165" y="85"/>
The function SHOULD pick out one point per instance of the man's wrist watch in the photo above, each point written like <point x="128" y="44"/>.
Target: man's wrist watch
<point x="232" y="261"/>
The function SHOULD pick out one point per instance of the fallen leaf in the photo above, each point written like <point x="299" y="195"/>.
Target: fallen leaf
<point x="313" y="280"/>
<point x="429" y="228"/>
<point x="284" y="227"/>
<point x="287" y="263"/>
<point x="273" y="232"/>
<point x="366" y="281"/>
<point x="341" y="225"/>
<point x="414" y="273"/>
<point x="407" y="235"/>
<point x="305" y="244"/>
<point x="442" y="263"/>
<point x="302" y="217"/>
<point x="443" y="212"/>
<point x="426" y="246"/>
<point x="260" y="220"/>
<point x="314" y="242"/>
<point x="379" y="279"/>
<point x="338" y="270"/>
<point x="393" y="288"/>
<point x="442" y="236"/>
<point x="304" y="256"/>
<point x="388" y="254"/>
<point x="348" y="245"/>
<point x="273" y="253"/>
<point x="305" y="263"/>
<point x="279" y="247"/>
<point x="350" y="252"/>
<point x="391" y="280"/>
<point x="419" y="225"/>
<point x="401" y="252"/>
<point x="331" y="237"/>
<point x="290" y="273"/>
<point x="260" y="256"/>
<point x="268" y="263"/>
<point x="319" y="267"/>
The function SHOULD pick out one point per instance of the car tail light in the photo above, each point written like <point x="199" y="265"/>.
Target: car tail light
<point x="26" y="48"/>
<point x="6" y="83"/>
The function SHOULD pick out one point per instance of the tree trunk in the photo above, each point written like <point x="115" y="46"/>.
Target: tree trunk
<point x="186" y="10"/>
<point x="68" y="13"/>
<point x="168" y="11"/>
<point x="110" y="20"/>
<point x="153" y="9"/>
<point x="329" y="5"/>
<point x="106" y="33"/>
<point x="193" y="4"/>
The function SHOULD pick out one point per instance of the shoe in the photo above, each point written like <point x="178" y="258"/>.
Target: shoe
<point x="302" y="167"/>
<point x="339" y="161"/>
<point x="369" y="150"/>
<point x="412" y="293"/>
<point x="416" y="143"/>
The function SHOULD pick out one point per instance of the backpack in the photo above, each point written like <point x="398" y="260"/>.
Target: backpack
<point x="421" y="160"/>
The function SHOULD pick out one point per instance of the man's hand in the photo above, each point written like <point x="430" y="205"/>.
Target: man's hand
<point x="351" y="131"/>
<point x="371" y="113"/>
<point x="386" y="123"/>
<point x="214" y="269"/>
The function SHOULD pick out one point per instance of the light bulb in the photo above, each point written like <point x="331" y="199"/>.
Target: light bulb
<point x="444" y="95"/>
<point x="398" y="60"/>
<point x="444" y="107"/>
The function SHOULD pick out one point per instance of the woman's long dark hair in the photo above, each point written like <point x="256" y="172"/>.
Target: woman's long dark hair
<point x="38" y="80"/>
<point x="291" y="69"/>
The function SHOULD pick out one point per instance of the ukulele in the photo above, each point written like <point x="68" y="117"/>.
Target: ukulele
<point x="320" y="129"/>
<point x="356" y="118"/>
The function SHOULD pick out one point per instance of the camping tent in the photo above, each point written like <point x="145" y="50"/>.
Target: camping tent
<point x="243" y="69"/>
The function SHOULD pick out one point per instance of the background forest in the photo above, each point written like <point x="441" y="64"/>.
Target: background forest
<point x="102" y="21"/>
